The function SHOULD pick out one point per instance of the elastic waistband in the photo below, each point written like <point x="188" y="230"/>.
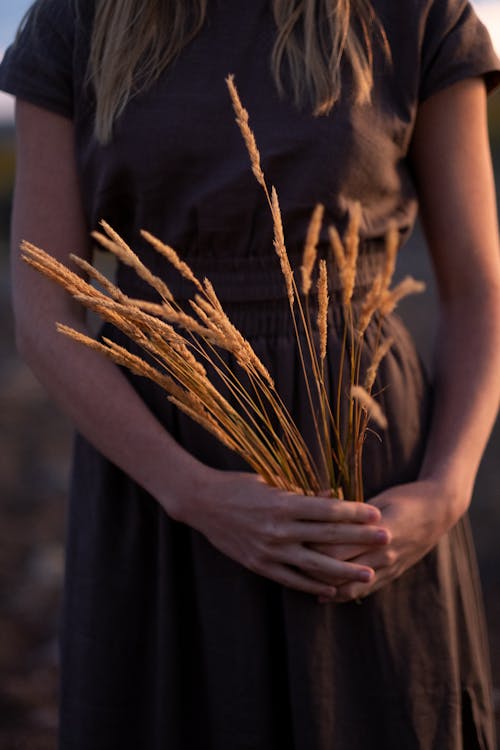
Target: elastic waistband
<point x="254" y="279"/>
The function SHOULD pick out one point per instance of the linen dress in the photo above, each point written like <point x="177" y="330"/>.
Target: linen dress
<point x="166" y="642"/>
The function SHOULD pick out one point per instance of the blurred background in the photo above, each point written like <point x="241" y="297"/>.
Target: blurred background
<point x="35" y="445"/>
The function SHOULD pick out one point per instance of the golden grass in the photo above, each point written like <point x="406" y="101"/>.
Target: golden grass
<point x="248" y="136"/>
<point x="252" y="419"/>
<point x="311" y="247"/>
<point x="322" y="308"/>
<point x="369" y="404"/>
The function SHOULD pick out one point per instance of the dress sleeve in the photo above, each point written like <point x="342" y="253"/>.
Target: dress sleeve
<point x="38" y="66"/>
<point x="456" y="45"/>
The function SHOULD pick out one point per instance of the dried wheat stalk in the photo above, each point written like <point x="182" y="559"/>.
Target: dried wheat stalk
<point x="252" y="419"/>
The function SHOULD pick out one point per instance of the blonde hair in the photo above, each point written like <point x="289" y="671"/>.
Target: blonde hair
<point x="129" y="49"/>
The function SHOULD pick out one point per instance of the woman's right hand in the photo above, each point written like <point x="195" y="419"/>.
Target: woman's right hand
<point x="268" y="530"/>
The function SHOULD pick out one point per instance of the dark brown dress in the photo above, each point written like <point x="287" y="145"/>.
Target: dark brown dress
<point x="167" y="643"/>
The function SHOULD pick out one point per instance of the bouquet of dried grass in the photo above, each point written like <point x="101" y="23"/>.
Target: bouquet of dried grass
<point x="255" y="421"/>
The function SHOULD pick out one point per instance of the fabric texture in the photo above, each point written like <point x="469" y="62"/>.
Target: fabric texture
<point x="165" y="641"/>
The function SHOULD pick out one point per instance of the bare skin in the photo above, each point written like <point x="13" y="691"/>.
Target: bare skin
<point x="456" y="189"/>
<point x="262" y="528"/>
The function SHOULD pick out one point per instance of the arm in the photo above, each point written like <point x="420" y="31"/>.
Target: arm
<point x="452" y="160"/>
<point x="457" y="198"/>
<point x="256" y="525"/>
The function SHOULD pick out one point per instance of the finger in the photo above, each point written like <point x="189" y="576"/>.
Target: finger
<point x="324" y="568"/>
<point x="341" y="551"/>
<point x="377" y="559"/>
<point x="295" y="580"/>
<point x="331" y="510"/>
<point x="353" y="591"/>
<point x="337" y="533"/>
<point x="350" y="592"/>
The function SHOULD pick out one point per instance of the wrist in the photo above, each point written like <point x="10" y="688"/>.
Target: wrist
<point x="452" y="491"/>
<point x="182" y="490"/>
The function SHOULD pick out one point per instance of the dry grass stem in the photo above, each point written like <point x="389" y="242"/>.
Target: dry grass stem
<point x="311" y="247"/>
<point x="247" y="414"/>
<point x="81" y="338"/>
<point x="391" y="251"/>
<point x="154" y="308"/>
<point x="211" y="295"/>
<point x="279" y="246"/>
<point x="128" y="311"/>
<point x="348" y="280"/>
<point x="346" y="253"/>
<point x="213" y="317"/>
<point x="203" y="418"/>
<point x="323" y="308"/>
<point x="369" y="404"/>
<point x="370" y="304"/>
<point x="52" y="268"/>
<point x="115" y="245"/>
<point x="102" y="280"/>
<point x="137" y="365"/>
<point x="378" y="356"/>
<point x="170" y="254"/>
<point x="405" y="287"/>
<point x="248" y="136"/>
<point x="338" y="249"/>
<point x="217" y="320"/>
<point x="188" y="323"/>
<point x="122" y="357"/>
<point x="351" y="238"/>
<point x="351" y="244"/>
<point x="200" y="312"/>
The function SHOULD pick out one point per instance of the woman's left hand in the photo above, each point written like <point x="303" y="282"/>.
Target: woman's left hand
<point x="416" y="515"/>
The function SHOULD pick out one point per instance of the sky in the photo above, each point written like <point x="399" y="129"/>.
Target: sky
<point x="11" y="12"/>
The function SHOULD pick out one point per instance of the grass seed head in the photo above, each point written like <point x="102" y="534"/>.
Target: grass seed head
<point x="113" y="242"/>
<point x="391" y="251"/>
<point x="248" y="136"/>
<point x="104" y="282"/>
<point x="279" y="246"/>
<point x="323" y="308"/>
<point x="370" y="304"/>
<point x="337" y="248"/>
<point x="311" y="247"/>
<point x="378" y="356"/>
<point x="351" y="244"/>
<point x="369" y="404"/>
<point x="172" y="256"/>
<point x="392" y="297"/>
<point x="351" y="237"/>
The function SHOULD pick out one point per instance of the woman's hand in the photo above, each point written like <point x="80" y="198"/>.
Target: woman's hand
<point x="268" y="530"/>
<point x="416" y="516"/>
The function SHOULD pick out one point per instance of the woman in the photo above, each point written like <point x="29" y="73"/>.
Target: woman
<point x="191" y="613"/>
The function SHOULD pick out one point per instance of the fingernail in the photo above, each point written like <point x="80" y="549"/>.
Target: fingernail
<point x="382" y="536"/>
<point x="374" y="516"/>
<point x="366" y="575"/>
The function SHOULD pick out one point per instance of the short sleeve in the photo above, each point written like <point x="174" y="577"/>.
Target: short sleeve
<point x="38" y="66"/>
<point x="456" y="45"/>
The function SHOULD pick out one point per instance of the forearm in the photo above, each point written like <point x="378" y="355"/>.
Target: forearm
<point x="105" y="408"/>
<point x="467" y="392"/>
<point x="454" y="177"/>
<point x="48" y="210"/>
